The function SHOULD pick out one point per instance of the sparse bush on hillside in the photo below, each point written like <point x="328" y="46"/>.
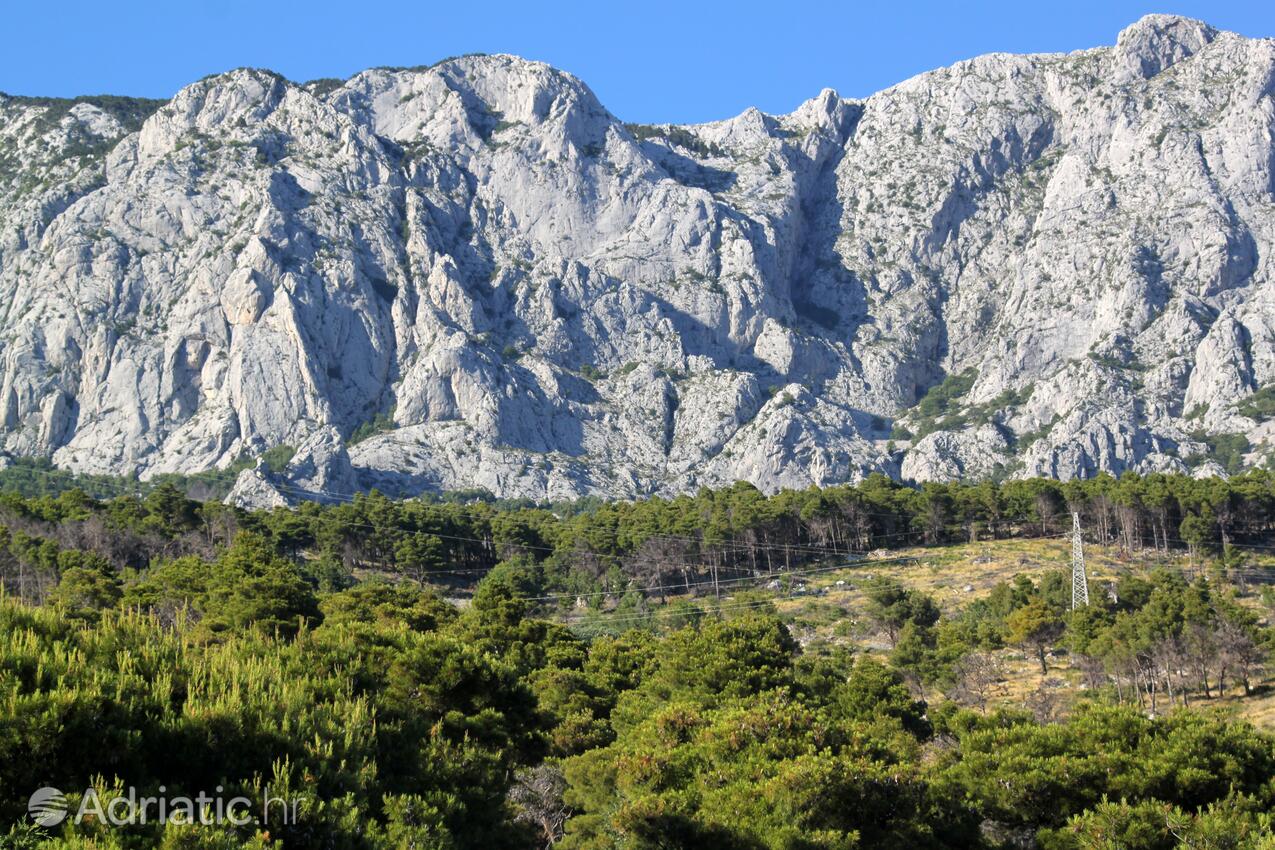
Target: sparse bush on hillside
<point x="1260" y="405"/>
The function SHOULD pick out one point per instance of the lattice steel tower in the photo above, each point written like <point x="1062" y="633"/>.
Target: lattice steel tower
<point x="1079" y="580"/>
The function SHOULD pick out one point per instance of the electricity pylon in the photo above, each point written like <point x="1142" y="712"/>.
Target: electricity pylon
<point x="1079" y="580"/>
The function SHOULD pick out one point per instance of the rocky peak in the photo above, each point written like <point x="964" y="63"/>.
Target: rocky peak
<point x="828" y="110"/>
<point x="472" y="102"/>
<point x="1155" y="42"/>
<point x="520" y="89"/>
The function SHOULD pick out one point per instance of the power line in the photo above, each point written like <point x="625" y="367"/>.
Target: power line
<point x="729" y="545"/>
<point x="609" y="620"/>
<point x="737" y="545"/>
<point x="792" y="548"/>
<point x="776" y="576"/>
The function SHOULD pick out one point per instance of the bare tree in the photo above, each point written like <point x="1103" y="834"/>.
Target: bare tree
<point x="1047" y="510"/>
<point x="1168" y="661"/>
<point x="657" y="561"/>
<point x="1239" y="653"/>
<point x="1047" y="701"/>
<point x="977" y="675"/>
<point x="1093" y="670"/>
<point x="934" y="519"/>
<point x="1101" y="512"/>
<point x="536" y="796"/>
<point x="1129" y="518"/>
<point x="860" y="523"/>
<point x="1199" y="644"/>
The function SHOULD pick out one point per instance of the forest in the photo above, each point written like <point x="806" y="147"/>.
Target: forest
<point x="467" y="673"/>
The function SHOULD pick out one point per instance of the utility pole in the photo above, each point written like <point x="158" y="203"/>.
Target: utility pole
<point x="1079" y="580"/>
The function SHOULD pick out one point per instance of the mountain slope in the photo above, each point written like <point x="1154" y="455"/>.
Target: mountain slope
<point x="473" y="275"/>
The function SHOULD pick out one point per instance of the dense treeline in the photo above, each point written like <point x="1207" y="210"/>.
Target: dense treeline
<point x="399" y="722"/>
<point x="654" y="545"/>
<point x="89" y="554"/>
<point x="151" y="640"/>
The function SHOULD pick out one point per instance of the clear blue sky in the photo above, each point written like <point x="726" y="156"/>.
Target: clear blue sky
<point x="648" y="61"/>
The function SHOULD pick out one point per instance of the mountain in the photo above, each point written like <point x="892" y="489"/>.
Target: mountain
<point x="474" y="275"/>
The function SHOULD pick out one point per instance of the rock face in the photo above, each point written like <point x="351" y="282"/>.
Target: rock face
<point x="319" y="470"/>
<point x="473" y="275"/>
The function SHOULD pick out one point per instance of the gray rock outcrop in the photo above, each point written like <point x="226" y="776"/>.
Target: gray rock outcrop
<point x="473" y="275"/>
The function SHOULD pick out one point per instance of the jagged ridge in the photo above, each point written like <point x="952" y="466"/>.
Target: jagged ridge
<point x="491" y="281"/>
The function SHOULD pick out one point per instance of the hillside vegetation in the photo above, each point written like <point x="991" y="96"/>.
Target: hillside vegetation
<point x="871" y="666"/>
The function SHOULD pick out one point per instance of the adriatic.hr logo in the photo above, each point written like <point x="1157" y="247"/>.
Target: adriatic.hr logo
<point x="49" y="807"/>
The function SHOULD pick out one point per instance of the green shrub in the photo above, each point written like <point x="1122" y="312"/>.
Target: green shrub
<point x="1260" y="405"/>
<point x="1227" y="449"/>
<point x="378" y="424"/>
<point x="941" y="396"/>
<point x="277" y="459"/>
